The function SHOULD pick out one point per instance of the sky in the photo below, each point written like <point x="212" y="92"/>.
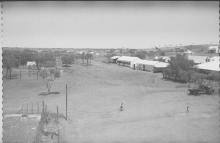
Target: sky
<point x="109" y="24"/>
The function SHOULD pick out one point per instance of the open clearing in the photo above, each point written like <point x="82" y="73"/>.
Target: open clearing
<point x="155" y="110"/>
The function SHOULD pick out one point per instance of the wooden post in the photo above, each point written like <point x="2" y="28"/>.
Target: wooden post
<point x="66" y="101"/>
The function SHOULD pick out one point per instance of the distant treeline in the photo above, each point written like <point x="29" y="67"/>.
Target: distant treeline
<point x="13" y="58"/>
<point x="17" y="57"/>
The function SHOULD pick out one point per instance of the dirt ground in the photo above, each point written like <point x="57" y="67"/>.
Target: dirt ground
<point x="154" y="109"/>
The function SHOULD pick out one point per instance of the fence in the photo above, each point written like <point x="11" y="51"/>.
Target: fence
<point x="31" y="108"/>
<point x="21" y="73"/>
<point x="49" y="128"/>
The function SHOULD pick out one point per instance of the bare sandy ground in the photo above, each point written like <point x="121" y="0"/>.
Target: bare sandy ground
<point x="155" y="110"/>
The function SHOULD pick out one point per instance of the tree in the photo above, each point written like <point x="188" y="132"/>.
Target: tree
<point x="180" y="62"/>
<point x="140" y="54"/>
<point x="83" y="57"/>
<point x="49" y="75"/>
<point x="45" y="74"/>
<point x="88" y="58"/>
<point x="9" y="61"/>
<point x="26" y="55"/>
<point x="179" y="68"/>
<point x="68" y="59"/>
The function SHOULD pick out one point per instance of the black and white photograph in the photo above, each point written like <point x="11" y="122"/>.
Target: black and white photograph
<point x="110" y="72"/>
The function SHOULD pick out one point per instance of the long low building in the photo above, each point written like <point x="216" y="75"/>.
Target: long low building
<point x="148" y="65"/>
<point x="144" y="65"/>
<point x="139" y="64"/>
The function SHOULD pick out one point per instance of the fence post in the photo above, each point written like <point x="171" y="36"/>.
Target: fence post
<point x="43" y="106"/>
<point x="66" y="101"/>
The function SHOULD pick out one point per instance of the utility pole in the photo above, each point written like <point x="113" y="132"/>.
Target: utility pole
<point x="66" y="101"/>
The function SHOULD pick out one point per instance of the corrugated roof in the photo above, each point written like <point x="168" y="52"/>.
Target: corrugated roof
<point x="128" y="59"/>
<point x="152" y="63"/>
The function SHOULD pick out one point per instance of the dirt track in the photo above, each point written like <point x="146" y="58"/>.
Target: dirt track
<point x="155" y="110"/>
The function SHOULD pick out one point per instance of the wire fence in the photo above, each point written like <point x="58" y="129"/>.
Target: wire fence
<point x="21" y="74"/>
<point x="50" y="129"/>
